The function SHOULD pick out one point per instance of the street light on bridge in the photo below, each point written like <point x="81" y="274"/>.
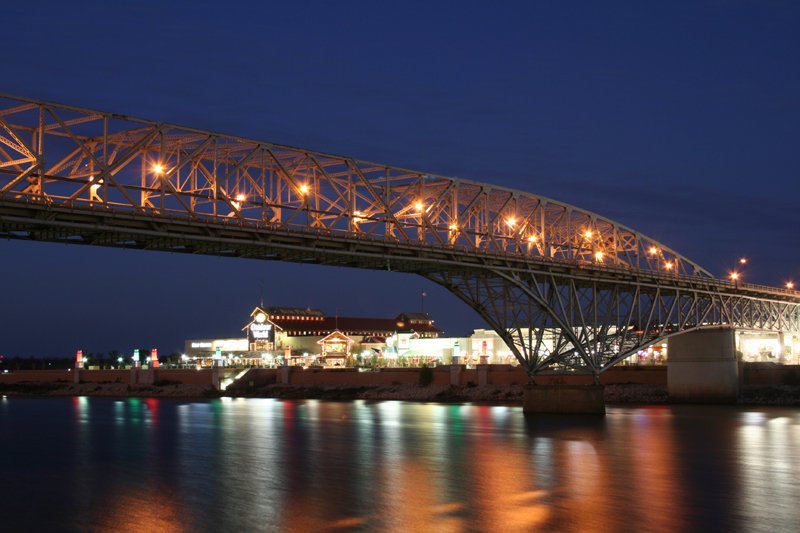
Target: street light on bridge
<point x="789" y="285"/>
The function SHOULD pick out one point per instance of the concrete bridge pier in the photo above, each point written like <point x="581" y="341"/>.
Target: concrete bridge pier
<point x="564" y="399"/>
<point x="702" y="367"/>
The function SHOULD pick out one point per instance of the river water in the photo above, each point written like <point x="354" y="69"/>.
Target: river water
<point x="95" y="464"/>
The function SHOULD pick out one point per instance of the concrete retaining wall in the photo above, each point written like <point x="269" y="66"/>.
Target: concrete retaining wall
<point x="749" y="374"/>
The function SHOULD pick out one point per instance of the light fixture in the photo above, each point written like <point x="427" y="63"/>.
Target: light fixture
<point x="668" y="266"/>
<point x="734" y="276"/>
<point x="158" y="169"/>
<point x="588" y="234"/>
<point x="304" y="189"/>
<point x="653" y="250"/>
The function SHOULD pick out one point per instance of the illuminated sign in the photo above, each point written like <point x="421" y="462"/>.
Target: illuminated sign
<point x="231" y="345"/>
<point x="201" y="345"/>
<point x="261" y="331"/>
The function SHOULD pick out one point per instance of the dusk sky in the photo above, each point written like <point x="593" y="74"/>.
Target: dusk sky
<point x="678" y="119"/>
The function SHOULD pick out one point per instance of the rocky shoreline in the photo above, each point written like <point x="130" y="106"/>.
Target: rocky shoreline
<point x="502" y="394"/>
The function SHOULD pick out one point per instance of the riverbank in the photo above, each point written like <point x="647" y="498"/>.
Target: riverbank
<point x="630" y="393"/>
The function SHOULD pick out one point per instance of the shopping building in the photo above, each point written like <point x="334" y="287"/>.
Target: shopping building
<point x="309" y="336"/>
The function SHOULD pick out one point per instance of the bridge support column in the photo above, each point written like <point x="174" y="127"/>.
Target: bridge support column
<point x="702" y="367"/>
<point x="483" y="374"/>
<point x="285" y="375"/>
<point x="140" y="376"/>
<point x="455" y="374"/>
<point x="563" y="399"/>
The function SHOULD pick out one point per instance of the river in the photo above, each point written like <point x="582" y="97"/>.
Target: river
<point x="246" y="465"/>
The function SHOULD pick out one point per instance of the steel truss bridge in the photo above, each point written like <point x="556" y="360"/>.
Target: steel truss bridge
<point x="562" y="286"/>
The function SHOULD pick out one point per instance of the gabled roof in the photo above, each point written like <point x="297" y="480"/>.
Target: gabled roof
<point x="253" y="316"/>
<point x="335" y="336"/>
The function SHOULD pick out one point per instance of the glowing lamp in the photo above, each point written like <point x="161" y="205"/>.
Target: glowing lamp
<point x="154" y="358"/>
<point x="588" y="234"/>
<point x="653" y="250"/>
<point x="79" y="359"/>
<point x="158" y="169"/>
<point x="598" y="256"/>
<point x="789" y="285"/>
<point x="668" y="266"/>
<point x="734" y="276"/>
<point x="418" y="206"/>
<point x="240" y="197"/>
<point x="743" y="260"/>
<point x="532" y="238"/>
<point x="304" y="189"/>
<point x="453" y="227"/>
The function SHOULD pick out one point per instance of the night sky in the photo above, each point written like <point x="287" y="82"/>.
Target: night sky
<point x="678" y="119"/>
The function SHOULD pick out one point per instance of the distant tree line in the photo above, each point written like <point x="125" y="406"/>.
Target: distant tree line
<point x="95" y="359"/>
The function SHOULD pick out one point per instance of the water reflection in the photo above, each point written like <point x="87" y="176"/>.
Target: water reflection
<point x="270" y="465"/>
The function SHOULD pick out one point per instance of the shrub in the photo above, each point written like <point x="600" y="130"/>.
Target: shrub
<point x="425" y="375"/>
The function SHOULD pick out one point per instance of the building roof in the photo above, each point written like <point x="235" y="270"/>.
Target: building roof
<point x="313" y="322"/>
<point x="290" y="312"/>
<point x="352" y="326"/>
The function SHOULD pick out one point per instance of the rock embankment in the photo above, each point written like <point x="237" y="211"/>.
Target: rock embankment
<point x="509" y="394"/>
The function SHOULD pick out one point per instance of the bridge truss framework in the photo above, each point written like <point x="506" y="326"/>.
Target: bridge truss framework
<point x="527" y="264"/>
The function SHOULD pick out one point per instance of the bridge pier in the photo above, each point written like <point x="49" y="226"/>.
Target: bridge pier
<point x="702" y="367"/>
<point x="564" y="399"/>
